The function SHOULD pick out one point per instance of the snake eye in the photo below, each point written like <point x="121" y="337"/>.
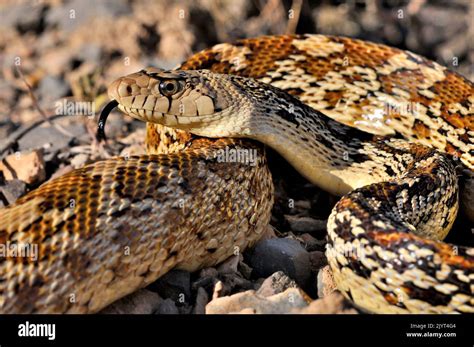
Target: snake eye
<point x="170" y="87"/>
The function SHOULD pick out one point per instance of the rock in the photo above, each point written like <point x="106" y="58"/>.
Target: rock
<point x="305" y="224"/>
<point x="208" y="272"/>
<point x="6" y="127"/>
<point x="136" y="137"/>
<point x="91" y="53"/>
<point x="55" y="61"/>
<point x="28" y="167"/>
<point x="72" y="14"/>
<point x="232" y="279"/>
<point x="245" y="270"/>
<point x="302" y="204"/>
<point x="275" y="284"/>
<point x="51" y="88"/>
<point x="311" y="243"/>
<point x="132" y="150"/>
<point x="167" y="307"/>
<point x="135" y="141"/>
<point x="439" y="25"/>
<point x="24" y="17"/>
<point x="285" y="255"/>
<point x="11" y="191"/>
<point x="50" y="156"/>
<point x="250" y="302"/>
<point x="50" y="138"/>
<point x="201" y="301"/>
<point x="331" y="304"/>
<point x="174" y="285"/>
<point x="318" y="260"/>
<point x="79" y="160"/>
<point x="234" y="282"/>
<point x="141" y="302"/>
<point x="325" y="282"/>
<point x="207" y="278"/>
<point x="230" y="265"/>
<point x="218" y="290"/>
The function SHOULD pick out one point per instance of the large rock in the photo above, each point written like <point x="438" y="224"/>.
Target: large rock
<point x="26" y="166"/>
<point x="250" y="302"/>
<point x="273" y="255"/>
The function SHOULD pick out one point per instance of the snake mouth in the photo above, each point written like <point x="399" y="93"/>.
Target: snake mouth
<point x="171" y="120"/>
<point x="163" y="118"/>
<point x="100" y="136"/>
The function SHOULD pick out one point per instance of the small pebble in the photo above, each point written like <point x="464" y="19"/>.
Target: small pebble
<point x="141" y="302"/>
<point x="276" y="283"/>
<point x="11" y="191"/>
<point x="305" y="224"/>
<point x="174" y="285"/>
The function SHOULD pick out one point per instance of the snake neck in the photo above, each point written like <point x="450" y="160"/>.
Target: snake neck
<point x="333" y="156"/>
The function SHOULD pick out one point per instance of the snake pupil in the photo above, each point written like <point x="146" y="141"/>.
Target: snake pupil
<point x="169" y="88"/>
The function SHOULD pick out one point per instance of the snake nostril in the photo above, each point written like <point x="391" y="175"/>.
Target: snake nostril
<point x="129" y="89"/>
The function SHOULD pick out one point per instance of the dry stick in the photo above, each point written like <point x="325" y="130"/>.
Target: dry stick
<point x="38" y="108"/>
<point x="22" y="131"/>
<point x="19" y="133"/>
<point x="293" y="21"/>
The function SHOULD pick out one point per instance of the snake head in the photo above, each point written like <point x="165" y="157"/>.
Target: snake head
<point x="189" y="100"/>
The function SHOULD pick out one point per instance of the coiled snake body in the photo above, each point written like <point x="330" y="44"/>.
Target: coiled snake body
<point x="375" y="124"/>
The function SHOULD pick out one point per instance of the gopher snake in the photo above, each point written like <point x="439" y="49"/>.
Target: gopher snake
<point x="181" y="207"/>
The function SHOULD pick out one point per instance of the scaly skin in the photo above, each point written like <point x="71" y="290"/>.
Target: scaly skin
<point x="117" y="225"/>
<point x="403" y="197"/>
<point x="124" y="229"/>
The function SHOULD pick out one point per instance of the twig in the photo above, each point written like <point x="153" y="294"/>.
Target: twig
<point x="22" y="131"/>
<point x="38" y="108"/>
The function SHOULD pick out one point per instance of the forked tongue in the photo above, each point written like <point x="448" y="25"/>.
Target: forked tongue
<point x="103" y="118"/>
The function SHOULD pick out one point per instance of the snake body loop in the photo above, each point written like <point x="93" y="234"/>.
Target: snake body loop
<point x="328" y="105"/>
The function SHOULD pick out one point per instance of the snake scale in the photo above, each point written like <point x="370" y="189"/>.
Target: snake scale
<point x="389" y="131"/>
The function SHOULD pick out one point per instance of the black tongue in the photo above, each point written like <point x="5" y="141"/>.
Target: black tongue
<point x="103" y="118"/>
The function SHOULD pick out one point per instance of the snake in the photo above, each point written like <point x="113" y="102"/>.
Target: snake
<point x="387" y="130"/>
